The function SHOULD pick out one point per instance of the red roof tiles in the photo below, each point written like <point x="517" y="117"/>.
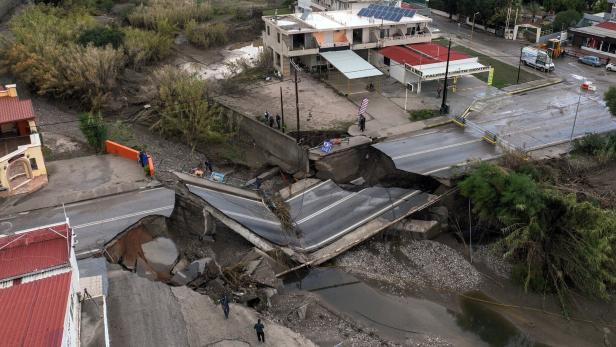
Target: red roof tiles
<point x="12" y="109"/>
<point x="420" y="54"/>
<point x="607" y="25"/>
<point x="33" y="313"/>
<point x="34" y="251"/>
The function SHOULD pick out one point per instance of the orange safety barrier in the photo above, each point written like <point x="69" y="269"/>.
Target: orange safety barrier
<point x="123" y="151"/>
<point x="151" y="165"/>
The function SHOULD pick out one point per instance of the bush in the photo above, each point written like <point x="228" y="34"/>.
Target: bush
<point x="145" y="47"/>
<point x="566" y="19"/>
<point x="206" y="36"/>
<point x="94" y="129"/>
<point x="554" y="241"/>
<point x="162" y="14"/>
<point x="45" y="56"/>
<point x="422" y="114"/>
<point x="180" y="108"/>
<point x="610" y="100"/>
<point x="602" y="147"/>
<point x="101" y="37"/>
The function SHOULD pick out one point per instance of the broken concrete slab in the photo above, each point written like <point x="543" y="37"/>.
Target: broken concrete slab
<point x="298" y="187"/>
<point x="262" y="268"/>
<point x="416" y="229"/>
<point x="160" y="253"/>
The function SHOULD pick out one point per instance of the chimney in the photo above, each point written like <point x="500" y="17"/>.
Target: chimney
<point x="12" y="88"/>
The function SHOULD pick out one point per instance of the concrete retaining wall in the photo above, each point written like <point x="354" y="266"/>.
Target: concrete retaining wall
<point x="7" y="5"/>
<point x="281" y="149"/>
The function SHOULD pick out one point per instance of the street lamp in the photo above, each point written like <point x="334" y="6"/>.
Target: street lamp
<point x="473" y="28"/>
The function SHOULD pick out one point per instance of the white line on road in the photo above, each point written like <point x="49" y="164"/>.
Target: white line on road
<point x="225" y="193"/>
<point x="329" y="207"/>
<point x="130" y="215"/>
<point x="437" y="149"/>
<point x="309" y="190"/>
<point x="250" y="217"/>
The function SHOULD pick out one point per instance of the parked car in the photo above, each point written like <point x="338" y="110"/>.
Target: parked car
<point x="610" y="67"/>
<point x="590" y="60"/>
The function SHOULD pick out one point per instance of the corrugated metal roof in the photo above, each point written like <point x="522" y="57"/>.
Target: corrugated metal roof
<point x="421" y="54"/>
<point x="350" y="64"/>
<point x="33" y="313"/>
<point x="605" y="29"/>
<point x="12" y="109"/>
<point x="607" y="25"/>
<point x="33" y="251"/>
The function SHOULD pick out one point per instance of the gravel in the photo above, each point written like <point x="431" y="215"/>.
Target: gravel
<point x="495" y="263"/>
<point x="416" y="264"/>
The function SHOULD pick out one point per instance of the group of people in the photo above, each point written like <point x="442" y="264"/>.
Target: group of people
<point x="269" y="120"/>
<point x="259" y="327"/>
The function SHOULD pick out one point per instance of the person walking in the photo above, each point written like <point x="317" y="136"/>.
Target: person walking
<point x="271" y="121"/>
<point x="266" y="117"/>
<point x="439" y="89"/>
<point x="225" y="305"/>
<point x="260" y="333"/>
<point x="278" y="121"/>
<point x="362" y="123"/>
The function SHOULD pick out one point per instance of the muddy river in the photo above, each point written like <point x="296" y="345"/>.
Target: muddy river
<point x="399" y="318"/>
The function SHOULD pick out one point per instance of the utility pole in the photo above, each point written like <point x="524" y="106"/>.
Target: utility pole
<point x="444" y="106"/>
<point x="519" y="66"/>
<point x="473" y="28"/>
<point x="575" y="118"/>
<point x="295" y="68"/>
<point x="281" y="111"/>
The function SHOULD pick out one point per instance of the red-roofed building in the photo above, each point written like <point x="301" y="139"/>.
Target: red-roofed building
<point x="39" y="282"/>
<point x="413" y="64"/>
<point x="599" y="40"/>
<point x="22" y="167"/>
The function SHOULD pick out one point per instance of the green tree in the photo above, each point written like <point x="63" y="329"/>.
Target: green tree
<point x="566" y="19"/>
<point x="94" y="129"/>
<point x="101" y="37"/>
<point x="610" y="100"/>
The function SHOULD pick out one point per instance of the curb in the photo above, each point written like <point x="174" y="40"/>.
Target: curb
<point x="547" y="84"/>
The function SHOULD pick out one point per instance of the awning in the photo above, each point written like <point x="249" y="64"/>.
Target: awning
<point x="350" y="64"/>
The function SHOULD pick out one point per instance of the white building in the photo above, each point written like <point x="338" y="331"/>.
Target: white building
<point x="311" y="39"/>
<point x="336" y="5"/>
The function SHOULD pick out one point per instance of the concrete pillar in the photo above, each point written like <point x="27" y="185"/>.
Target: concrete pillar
<point x="538" y="35"/>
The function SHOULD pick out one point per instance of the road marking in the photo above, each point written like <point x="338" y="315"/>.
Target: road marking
<point x="130" y="215"/>
<point x="437" y="149"/>
<point x="250" y="217"/>
<point x="309" y="190"/>
<point x="361" y="222"/>
<point x="329" y="207"/>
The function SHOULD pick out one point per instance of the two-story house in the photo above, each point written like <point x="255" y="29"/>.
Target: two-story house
<point x="308" y="37"/>
<point x="22" y="167"/>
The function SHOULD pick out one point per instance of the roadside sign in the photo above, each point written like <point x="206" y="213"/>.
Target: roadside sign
<point x="491" y="76"/>
<point x="363" y="107"/>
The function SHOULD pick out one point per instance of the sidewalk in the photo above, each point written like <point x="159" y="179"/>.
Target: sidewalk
<point x="79" y="179"/>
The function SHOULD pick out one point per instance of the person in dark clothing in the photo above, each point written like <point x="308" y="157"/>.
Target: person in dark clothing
<point x="260" y="333"/>
<point x="271" y="122"/>
<point x="208" y="166"/>
<point x="278" y="121"/>
<point x="143" y="158"/>
<point x="225" y="305"/>
<point x="362" y="123"/>
<point x="258" y="183"/>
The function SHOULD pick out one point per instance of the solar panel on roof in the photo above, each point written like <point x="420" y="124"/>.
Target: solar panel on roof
<point x="398" y="17"/>
<point x="411" y="13"/>
<point x="362" y="12"/>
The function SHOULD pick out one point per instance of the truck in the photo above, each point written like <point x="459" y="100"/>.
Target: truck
<point x="537" y="58"/>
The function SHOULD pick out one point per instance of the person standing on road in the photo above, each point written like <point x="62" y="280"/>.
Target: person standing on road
<point x="362" y="123"/>
<point x="260" y="333"/>
<point x="225" y="305"/>
<point x="271" y="121"/>
<point x="439" y="89"/>
<point x="278" y="121"/>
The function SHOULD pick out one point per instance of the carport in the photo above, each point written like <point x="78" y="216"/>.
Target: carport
<point x="351" y="67"/>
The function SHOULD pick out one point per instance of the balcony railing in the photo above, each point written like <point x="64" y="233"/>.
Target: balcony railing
<point x="11" y="146"/>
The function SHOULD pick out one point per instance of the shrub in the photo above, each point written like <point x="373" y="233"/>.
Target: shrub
<point x="210" y="35"/>
<point x="101" y="37"/>
<point x="422" y="114"/>
<point x="180" y="108"/>
<point x="45" y="56"/>
<point x="94" y="129"/>
<point x="566" y="19"/>
<point x="164" y="13"/>
<point x="610" y="100"/>
<point x="145" y="47"/>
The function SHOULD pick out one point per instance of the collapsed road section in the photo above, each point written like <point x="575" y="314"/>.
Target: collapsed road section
<point x="326" y="220"/>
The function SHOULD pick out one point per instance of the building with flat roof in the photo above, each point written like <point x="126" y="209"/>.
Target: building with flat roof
<point x="38" y="287"/>
<point x="305" y="37"/>
<point x="337" y="5"/>
<point x="22" y="167"/>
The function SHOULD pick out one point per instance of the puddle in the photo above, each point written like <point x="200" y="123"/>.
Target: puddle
<point x="221" y="69"/>
<point x="400" y="318"/>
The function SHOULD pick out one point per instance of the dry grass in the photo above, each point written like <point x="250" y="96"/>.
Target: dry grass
<point x="160" y="15"/>
<point x="207" y="35"/>
<point x="144" y="47"/>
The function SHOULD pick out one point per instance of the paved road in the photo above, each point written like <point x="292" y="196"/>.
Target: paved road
<point x="321" y="215"/>
<point x="433" y="152"/>
<point x="97" y="221"/>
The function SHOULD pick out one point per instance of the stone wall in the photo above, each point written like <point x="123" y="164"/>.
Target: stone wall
<point x="281" y="149"/>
